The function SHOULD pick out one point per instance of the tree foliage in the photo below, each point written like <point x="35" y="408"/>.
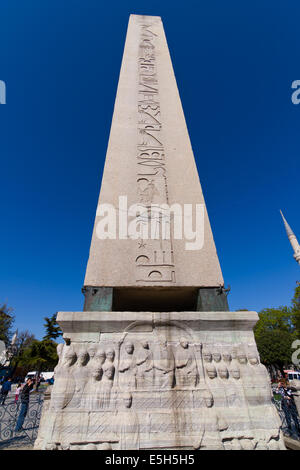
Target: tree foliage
<point x="296" y="309"/>
<point x="40" y="355"/>
<point x="6" y="322"/>
<point x="274" y="347"/>
<point x="275" y="332"/>
<point x="53" y="329"/>
<point x="23" y="341"/>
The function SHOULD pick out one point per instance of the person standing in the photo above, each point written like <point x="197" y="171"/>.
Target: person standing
<point x="24" y="397"/>
<point x="38" y="382"/>
<point x="6" y="387"/>
<point x="18" y="390"/>
<point x="288" y="407"/>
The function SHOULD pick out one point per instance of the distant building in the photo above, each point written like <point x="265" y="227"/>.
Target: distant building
<point x="293" y="239"/>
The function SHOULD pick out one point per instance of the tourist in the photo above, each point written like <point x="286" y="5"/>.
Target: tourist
<point x="24" y="397"/>
<point x="288" y="407"/>
<point x="18" y="390"/>
<point x="38" y="382"/>
<point x="6" y="387"/>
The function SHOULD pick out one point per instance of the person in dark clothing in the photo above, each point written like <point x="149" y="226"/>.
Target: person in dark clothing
<point x="38" y="383"/>
<point x="6" y="387"/>
<point x="289" y="407"/>
<point x="24" y="398"/>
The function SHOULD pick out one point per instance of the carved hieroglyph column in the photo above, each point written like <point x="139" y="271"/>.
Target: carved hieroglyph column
<point x="155" y="360"/>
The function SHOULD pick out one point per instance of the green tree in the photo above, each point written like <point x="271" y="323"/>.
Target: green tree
<point x="23" y="341"/>
<point x="272" y="319"/>
<point x="274" y="333"/>
<point x="53" y="329"/>
<point x="296" y="309"/>
<point x="40" y="355"/>
<point x="6" y="321"/>
<point x="275" y="348"/>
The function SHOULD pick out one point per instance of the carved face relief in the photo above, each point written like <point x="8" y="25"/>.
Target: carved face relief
<point x="92" y="351"/>
<point x="207" y="356"/>
<point x="127" y="399"/>
<point x="145" y="345"/>
<point x="110" y="355"/>
<point x="227" y="357"/>
<point x="208" y="398"/>
<point x="211" y="372"/>
<point x="234" y="354"/>
<point x="129" y="348"/>
<point x="109" y="372"/>
<point x="82" y="358"/>
<point x="100" y="356"/>
<point x="253" y="360"/>
<point x="223" y="373"/>
<point x="208" y="402"/>
<point x="242" y="358"/>
<point x="96" y="374"/>
<point x="69" y="358"/>
<point x="235" y="373"/>
<point x="216" y="357"/>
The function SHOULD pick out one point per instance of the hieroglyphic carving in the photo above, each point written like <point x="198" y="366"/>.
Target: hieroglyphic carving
<point x="157" y="265"/>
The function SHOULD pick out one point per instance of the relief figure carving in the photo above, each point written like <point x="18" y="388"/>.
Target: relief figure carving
<point x="164" y="366"/>
<point x="145" y="371"/>
<point x="128" y="426"/>
<point x="64" y="385"/>
<point x="81" y="376"/>
<point x="128" y="367"/>
<point x="186" y="367"/>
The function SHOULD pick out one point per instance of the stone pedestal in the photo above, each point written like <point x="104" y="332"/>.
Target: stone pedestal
<point x="155" y="380"/>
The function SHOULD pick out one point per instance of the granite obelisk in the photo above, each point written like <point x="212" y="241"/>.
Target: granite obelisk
<point x="155" y="360"/>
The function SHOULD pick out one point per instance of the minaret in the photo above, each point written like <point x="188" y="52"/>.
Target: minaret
<point x="293" y="239"/>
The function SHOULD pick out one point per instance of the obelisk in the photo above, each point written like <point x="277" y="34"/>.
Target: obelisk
<point x="155" y="360"/>
<point x="150" y="160"/>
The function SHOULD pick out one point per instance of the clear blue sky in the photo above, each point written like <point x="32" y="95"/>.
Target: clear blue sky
<point x="234" y="62"/>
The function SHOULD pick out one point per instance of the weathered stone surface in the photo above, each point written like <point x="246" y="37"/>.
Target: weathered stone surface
<point x="167" y="377"/>
<point x="150" y="160"/>
<point x="180" y="385"/>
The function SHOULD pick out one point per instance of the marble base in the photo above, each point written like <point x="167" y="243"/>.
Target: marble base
<point x="157" y="380"/>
